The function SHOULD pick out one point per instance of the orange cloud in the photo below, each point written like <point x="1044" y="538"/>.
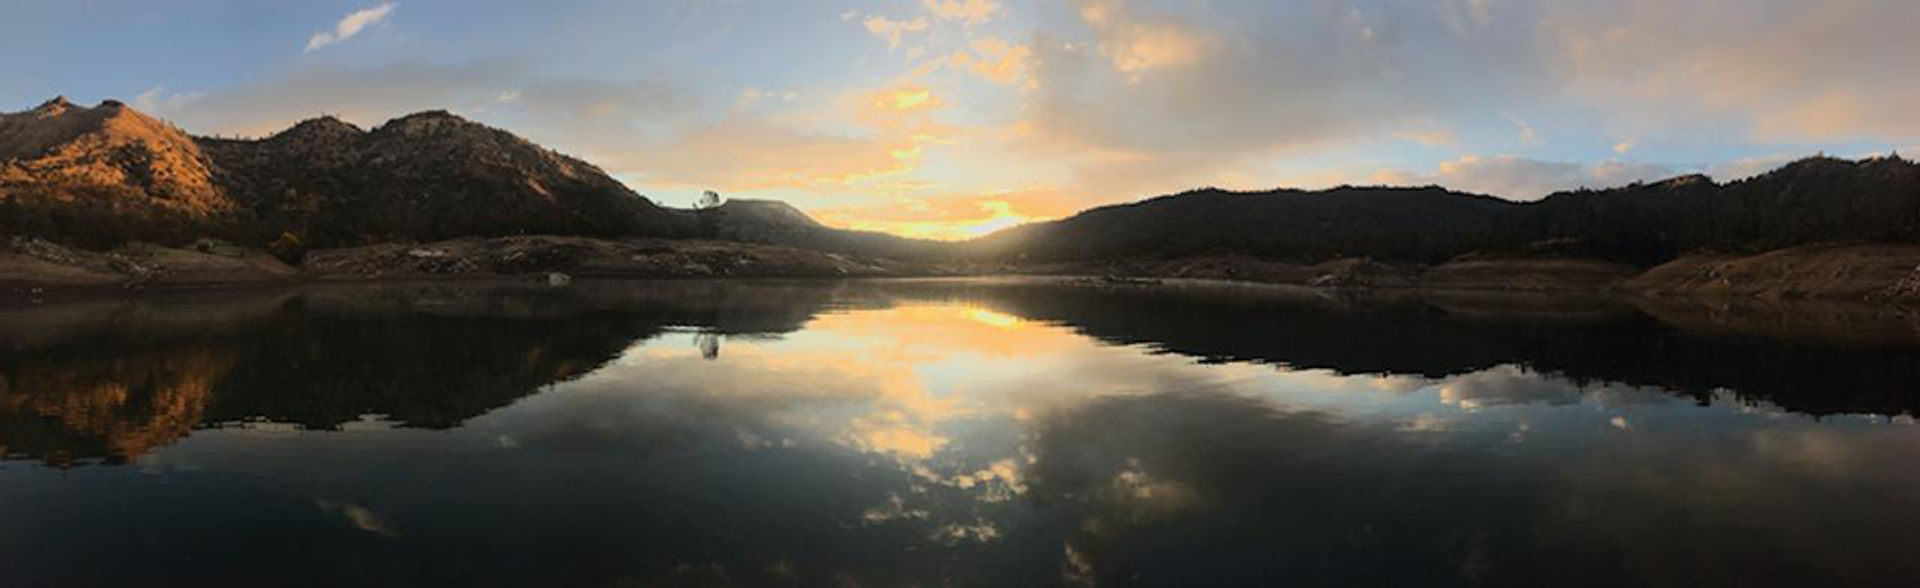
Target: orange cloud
<point x="1135" y="43"/>
<point x="993" y="58"/>
<point x="972" y="11"/>
<point x="893" y="30"/>
<point x="1428" y="137"/>
<point x="904" y="105"/>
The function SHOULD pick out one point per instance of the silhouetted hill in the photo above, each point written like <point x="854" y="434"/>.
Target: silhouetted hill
<point x="1402" y="223"/>
<point x="1814" y="200"/>
<point x="779" y="223"/>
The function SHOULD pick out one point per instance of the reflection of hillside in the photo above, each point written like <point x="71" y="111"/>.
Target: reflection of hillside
<point x="61" y="409"/>
<point x="1801" y="358"/>
<point x="418" y="370"/>
<point x="118" y="380"/>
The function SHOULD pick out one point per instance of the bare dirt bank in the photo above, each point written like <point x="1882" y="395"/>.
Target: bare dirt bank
<point x="33" y="270"/>
<point x="1859" y="272"/>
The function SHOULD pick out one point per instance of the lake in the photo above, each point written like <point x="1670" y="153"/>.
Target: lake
<point x="984" y="432"/>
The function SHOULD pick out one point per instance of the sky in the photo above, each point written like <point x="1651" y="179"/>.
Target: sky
<point x="952" y="118"/>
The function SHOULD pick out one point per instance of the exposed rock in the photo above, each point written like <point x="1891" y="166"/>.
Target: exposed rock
<point x="126" y="176"/>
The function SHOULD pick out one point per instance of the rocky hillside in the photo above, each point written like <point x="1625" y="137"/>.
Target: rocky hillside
<point x="425" y="176"/>
<point x="103" y="174"/>
<point x="106" y="175"/>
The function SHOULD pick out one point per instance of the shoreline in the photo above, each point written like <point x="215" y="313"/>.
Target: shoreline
<point x="1814" y="320"/>
<point x="36" y="272"/>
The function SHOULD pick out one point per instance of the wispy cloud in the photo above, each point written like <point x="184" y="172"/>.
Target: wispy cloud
<point x="157" y="100"/>
<point x="350" y="25"/>
<point x="972" y="11"/>
<point x="892" y="30"/>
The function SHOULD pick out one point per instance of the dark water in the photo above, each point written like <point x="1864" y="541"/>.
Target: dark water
<point x="953" y="433"/>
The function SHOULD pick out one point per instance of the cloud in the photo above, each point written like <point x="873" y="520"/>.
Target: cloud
<point x="1781" y="70"/>
<point x="1429" y="137"/>
<point x="971" y="11"/>
<point x="359" y="517"/>
<point x="156" y="101"/>
<point x="893" y="30"/>
<point x="1523" y="130"/>
<point x="1159" y="101"/>
<point x="350" y="25"/>
<point x="1521" y="178"/>
<point x="750" y="95"/>
<point x="993" y="59"/>
<point x="1162" y="102"/>
<point x="1135" y="42"/>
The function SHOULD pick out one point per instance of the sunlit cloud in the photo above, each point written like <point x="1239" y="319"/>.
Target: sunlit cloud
<point x="1429" y="137"/>
<point x="993" y="59"/>
<point x="1137" y="43"/>
<point x="158" y="100"/>
<point x="971" y="11"/>
<point x="359" y="516"/>
<point x="893" y="30"/>
<point x="350" y="25"/>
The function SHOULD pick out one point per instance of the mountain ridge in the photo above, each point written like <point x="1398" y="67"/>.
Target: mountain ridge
<point x="107" y="175"/>
<point x="1812" y="200"/>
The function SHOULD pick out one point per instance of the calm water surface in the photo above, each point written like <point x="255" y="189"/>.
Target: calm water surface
<point x="976" y="433"/>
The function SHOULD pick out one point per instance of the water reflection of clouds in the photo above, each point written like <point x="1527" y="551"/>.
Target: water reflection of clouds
<point x="884" y="444"/>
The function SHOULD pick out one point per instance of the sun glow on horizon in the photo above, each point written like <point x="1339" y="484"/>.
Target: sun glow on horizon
<point x="990" y="216"/>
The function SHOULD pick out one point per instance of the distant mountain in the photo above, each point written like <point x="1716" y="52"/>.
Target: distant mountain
<point x="1404" y="223"/>
<point x="1813" y="200"/>
<point x="103" y="175"/>
<point x="779" y="223"/>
